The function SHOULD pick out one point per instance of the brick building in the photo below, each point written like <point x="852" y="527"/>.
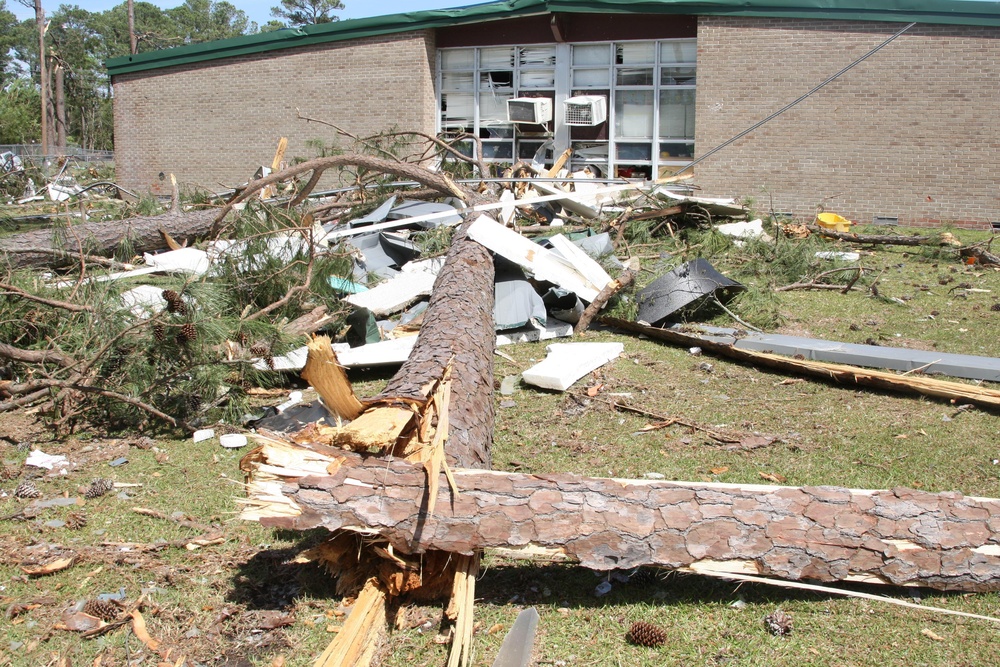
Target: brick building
<point x="638" y="89"/>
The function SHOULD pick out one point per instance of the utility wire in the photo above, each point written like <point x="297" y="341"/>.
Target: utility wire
<point x="793" y="103"/>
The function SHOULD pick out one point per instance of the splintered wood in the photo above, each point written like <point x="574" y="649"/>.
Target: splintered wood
<point x="437" y="411"/>
<point x="356" y="642"/>
<point x="329" y="379"/>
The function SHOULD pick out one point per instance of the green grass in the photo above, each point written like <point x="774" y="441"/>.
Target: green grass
<point x="210" y="603"/>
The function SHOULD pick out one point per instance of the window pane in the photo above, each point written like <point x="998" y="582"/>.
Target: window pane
<point x="493" y="107"/>
<point x="628" y="152"/>
<point x="538" y="56"/>
<point x="634" y="76"/>
<point x="457" y="58"/>
<point x="496" y="80"/>
<point x="592" y="55"/>
<point x="456" y="110"/>
<point x="679" y="51"/>
<point x="634" y="53"/>
<point x="497" y="132"/>
<point x="676" y="150"/>
<point x="542" y="78"/>
<point x="583" y="78"/>
<point x="677" y="114"/>
<point x="496" y="58"/>
<point x="677" y="76"/>
<point x="500" y="151"/>
<point x="456" y="80"/>
<point x="634" y="113"/>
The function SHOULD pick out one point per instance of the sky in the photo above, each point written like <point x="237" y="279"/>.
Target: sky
<point x="260" y="10"/>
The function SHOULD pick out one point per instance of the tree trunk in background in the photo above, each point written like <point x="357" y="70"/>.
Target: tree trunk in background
<point x="133" y="45"/>
<point x="60" y="94"/>
<point x="43" y="78"/>
<point x="102" y="238"/>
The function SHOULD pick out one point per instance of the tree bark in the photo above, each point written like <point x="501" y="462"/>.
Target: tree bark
<point x="459" y="328"/>
<point x="34" y="249"/>
<point x="900" y="536"/>
<point x="60" y="108"/>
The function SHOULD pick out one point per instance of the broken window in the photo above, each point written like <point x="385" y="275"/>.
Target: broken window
<point x="648" y="88"/>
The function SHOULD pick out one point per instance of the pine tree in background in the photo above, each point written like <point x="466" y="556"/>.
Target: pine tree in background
<point x="307" y="12"/>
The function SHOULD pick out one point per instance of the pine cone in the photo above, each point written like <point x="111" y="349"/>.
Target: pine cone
<point x="10" y="472"/>
<point x="27" y="489"/>
<point x="159" y="333"/>
<point x="98" y="488"/>
<point x="76" y="520"/>
<point x="643" y="576"/>
<point x="102" y="609"/>
<point x="259" y="350"/>
<point x="269" y="360"/>
<point x="187" y="333"/>
<point x="175" y="304"/>
<point x="995" y="307"/>
<point x="646" y="634"/>
<point x="778" y="623"/>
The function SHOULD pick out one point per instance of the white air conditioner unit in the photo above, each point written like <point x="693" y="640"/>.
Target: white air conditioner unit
<point x="536" y="110"/>
<point x="586" y="110"/>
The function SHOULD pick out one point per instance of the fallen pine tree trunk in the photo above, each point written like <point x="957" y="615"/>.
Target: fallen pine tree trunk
<point x="63" y="245"/>
<point x="903" y="537"/>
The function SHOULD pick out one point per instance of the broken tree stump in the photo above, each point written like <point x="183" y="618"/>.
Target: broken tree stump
<point x="902" y="536"/>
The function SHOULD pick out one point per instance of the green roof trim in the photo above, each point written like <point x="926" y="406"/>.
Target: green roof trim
<point x="953" y="12"/>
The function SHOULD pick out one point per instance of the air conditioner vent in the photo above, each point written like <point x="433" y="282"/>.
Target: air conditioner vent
<point x="535" y="110"/>
<point x="586" y="110"/>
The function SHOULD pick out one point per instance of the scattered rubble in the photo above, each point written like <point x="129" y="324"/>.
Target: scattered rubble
<point x="427" y="436"/>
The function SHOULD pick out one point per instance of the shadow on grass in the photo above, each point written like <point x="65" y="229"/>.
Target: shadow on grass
<point x="271" y="580"/>
<point x="576" y="587"/>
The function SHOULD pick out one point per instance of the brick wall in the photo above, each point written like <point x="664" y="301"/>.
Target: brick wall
<point x="913" y="132"/>
<point x="212" y="124"/>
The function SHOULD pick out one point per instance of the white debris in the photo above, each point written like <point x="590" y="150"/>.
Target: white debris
<point x="294" y="398"/>
<point x="841" y="256"/>
<point x="568" y="362"/>
<point x="143" y="300"/>
<point x="543" y="263"/>
<point x="233" y="440"/>
<point x="203" y="434"/>
<point x="394" y="295"/>
<point x="754" y="229"/>
<point x="39" y="459"/>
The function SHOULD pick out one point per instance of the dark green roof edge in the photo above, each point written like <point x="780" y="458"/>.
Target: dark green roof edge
<point x="953" y="12"/>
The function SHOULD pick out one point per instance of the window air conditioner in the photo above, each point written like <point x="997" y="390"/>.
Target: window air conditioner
<point x="586" y="110"/>
<point x="536" y="110"/>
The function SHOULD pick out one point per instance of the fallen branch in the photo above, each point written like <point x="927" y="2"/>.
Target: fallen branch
<point x="602" y="298"/>
<point x="64" y="305"/>
<point x="36" y="356"/>
<point x="816" y="281"/>
<point x="70" y="385"/>
<point x="875" y="239"/>
<point x="317" y="166"/>
<point x="181" y="521"/>
<point x="980" y="255"/>
<point x="837" y="373"/>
